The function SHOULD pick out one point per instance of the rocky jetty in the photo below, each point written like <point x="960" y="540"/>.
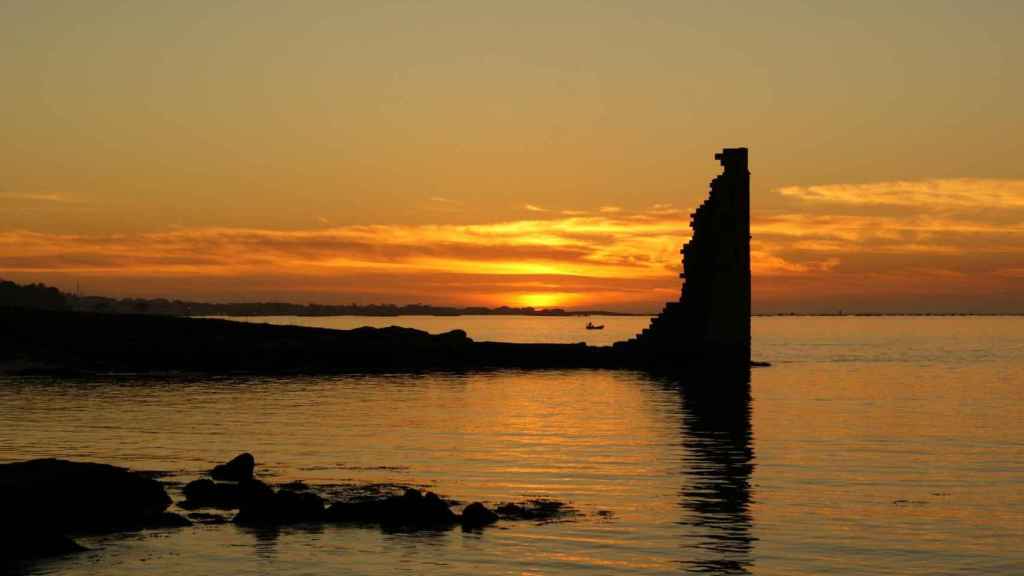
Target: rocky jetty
<point x="85" y="343"/>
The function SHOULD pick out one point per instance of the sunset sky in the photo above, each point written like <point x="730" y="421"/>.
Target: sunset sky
<point x="522" y="153"/>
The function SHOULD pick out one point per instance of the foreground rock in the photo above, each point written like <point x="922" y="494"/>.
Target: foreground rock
<point x="79" y="496"/>
<point x="238" y="469"/>
<point x="45" y="500"/>
<point x="30" y="543"/>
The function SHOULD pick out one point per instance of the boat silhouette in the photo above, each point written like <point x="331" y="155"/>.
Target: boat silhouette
<point x="592" y="326"/>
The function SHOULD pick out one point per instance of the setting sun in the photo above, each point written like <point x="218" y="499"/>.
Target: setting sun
<point x="545" y="299"/>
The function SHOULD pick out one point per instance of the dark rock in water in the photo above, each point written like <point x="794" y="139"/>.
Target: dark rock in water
<point x="284" y="507"/>
<point x="200" y="493"/>
<point x="357" y="512"/>
<point x="436" y="511"/>
<point x="411" y="511"/>
<point x="44" y="500"/>
<point x="512" y="511"/>
<point x="476" y="515"/>
<point x="63" y="496"/>
<point x="239" y="468"/>
<point x="205" y="493"/>
<point x="253" y="489"/>
<point x="539" y="509"/>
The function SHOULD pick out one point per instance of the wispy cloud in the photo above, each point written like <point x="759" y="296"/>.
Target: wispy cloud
<point x="921" y="194"/>
<point x="581" y="258"/>
<point x="534" y="208"/>
<point x="443" y="200"/>
<point x="37" y="197"/>
<point x="441" y="205"/>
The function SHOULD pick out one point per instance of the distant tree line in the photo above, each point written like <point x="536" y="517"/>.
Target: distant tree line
<point x="41" y="296"/>
<point x="32" y="296"/>
<point x="166" y="307"/>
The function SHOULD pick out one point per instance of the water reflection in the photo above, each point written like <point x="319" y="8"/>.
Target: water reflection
<point x="266" y="538"/>
<point x="715" y="497"/>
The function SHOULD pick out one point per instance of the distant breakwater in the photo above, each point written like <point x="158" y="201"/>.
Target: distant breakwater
<point x="65" y="342"/>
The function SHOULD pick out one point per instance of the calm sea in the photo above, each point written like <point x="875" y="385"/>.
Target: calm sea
<point x="871" y="446"/>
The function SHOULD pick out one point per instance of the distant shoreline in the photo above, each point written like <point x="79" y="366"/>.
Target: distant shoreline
<point x="49" y="298"/>
<point x="625" y="314"/>
<point x="563" y="314"/>
<point x="887" y="314"/>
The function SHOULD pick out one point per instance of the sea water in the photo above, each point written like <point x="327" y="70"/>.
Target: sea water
<point x="881" y="445"/>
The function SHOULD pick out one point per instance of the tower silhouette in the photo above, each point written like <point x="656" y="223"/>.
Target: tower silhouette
<point x="710" y="322"/>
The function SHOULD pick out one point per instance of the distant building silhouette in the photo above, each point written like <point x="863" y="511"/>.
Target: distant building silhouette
<point x="711" y="320"/>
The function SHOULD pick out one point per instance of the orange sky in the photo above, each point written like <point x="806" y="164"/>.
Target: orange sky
<point x="527" y="154"/>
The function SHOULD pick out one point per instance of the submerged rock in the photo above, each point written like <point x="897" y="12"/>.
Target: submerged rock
<point x="205" y="493"/>
<point x="282" y="507"/>
<point x="411" y="511"/>
<point x="355" y="512"/>
<point x="239" y="468"/>
<point x="476" y="515"/>
<point x="539" y="509"/>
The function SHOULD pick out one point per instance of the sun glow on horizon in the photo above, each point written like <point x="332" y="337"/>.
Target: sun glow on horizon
<point x="546" y="299"/>
<point x="816" y="255"/>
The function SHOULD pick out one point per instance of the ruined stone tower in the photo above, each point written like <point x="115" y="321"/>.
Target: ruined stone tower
<point x="710" y="324"/>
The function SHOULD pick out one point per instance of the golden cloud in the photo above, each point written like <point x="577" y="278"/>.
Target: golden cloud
<point x="594" y="258"/>
<point x="921" y="194"/>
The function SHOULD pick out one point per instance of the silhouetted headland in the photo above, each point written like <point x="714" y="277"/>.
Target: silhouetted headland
<point x="708" y="327"/>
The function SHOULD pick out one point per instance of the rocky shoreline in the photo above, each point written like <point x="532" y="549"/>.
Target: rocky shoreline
<point x="50" y="502"/>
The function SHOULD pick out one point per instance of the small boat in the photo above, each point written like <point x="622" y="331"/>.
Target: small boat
<point x="592" y="326"/>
